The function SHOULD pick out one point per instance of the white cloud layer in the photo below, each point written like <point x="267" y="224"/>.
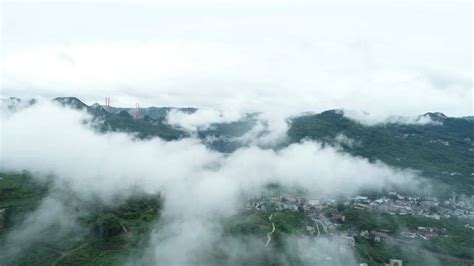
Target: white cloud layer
<point x="198" y="184"/>
<point x="49" y="139"/>
<point x="201" y="119"/>
<point x="276" y="58"/>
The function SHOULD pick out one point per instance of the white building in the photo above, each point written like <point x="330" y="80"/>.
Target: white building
<point x="394" y="262"/>
<point x="313" y="202"/>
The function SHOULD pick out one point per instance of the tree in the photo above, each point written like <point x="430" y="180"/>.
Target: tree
<point x="108" y="225"/>
<point x="340" y="207"/>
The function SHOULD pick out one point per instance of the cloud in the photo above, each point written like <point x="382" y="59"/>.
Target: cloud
<point x="55" y="219"/>
<point x="217" y="249"/>
<point x="199" y="186"/>
<point x="372" y="120"/>
<point x="342" y="139"/>
<point x="279" y="60"/>
<point x="251" y="58"/>
<point x="269" y="130"/>
<point x="201" y="119"/>
<point x="323" y="251"/>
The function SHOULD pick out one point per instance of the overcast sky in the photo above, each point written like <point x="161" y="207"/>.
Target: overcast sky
<point x="278" y="57"/>
<point x="381" y="57"/>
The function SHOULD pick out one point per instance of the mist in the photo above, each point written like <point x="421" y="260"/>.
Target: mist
<point x="263" y="62"/>
<point x="200" y="186"/>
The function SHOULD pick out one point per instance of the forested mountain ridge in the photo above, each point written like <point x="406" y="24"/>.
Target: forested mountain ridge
<point x="442" y="148"/>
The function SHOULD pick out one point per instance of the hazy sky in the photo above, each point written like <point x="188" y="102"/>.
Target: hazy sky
<point x="279" y="57"/>
<point x="383" y="57"/>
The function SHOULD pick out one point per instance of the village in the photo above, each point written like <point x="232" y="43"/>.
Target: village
<point x="327" y="219"/>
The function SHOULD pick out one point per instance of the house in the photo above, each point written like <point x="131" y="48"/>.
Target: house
<point x="290" y="199"/>
<point x="364" y="233"/>
<point x="350" y="241"/>
<point x="379" y="201"/>
<point x="290" y="207"/>
<point x="360" y="198"/>
<point x="395" y="262"/>
<point x="408" y="234"/>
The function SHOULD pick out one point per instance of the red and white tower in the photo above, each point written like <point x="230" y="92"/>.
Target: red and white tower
<point x="107" y="103"/>
<point x="137" y="112"/>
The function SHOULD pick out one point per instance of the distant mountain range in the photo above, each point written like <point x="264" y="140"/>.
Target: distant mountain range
<point x="150" y="124"/>
<point x="443" y="150"/>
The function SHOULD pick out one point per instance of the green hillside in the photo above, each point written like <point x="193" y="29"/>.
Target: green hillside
<point x="444" y="152"/>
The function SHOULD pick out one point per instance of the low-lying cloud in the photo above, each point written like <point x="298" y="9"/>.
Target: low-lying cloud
<point x="201" y="119"/>
<point x="368" y="119"/>
<point x="199" y="185"/>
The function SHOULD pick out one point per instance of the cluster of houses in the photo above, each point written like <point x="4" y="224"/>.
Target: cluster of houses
<point x="397" y="204"/>
<point x="283" y="203"/>
<point x="392" y="203"/>
<point x="425" y="233"/>
<point x="327" y="219"/>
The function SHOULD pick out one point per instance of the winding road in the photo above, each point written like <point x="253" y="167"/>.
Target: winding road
<point x="65" y="254"/>
<point x="269" y="235"/>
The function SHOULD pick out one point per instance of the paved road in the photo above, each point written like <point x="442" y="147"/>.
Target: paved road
<point x="65" y="254"/>
<point x="269" y="235"/>
<point x="317" y="221"/>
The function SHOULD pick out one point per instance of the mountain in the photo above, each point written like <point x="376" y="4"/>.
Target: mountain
<point x="218" y="136"/>
<point x="13" y="104"/>
<point x="72" y="102"/>
<point x="224" y="137"/>
<point x="152" y="112"/>
<point x="441" y="148"/>
<point x="120" y="120"/>
<point x="443" y="151"/>
<point x="435" y="117"/>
